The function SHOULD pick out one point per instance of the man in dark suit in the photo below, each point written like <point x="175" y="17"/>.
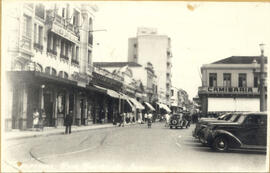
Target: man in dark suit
<point x="68" y="122"/>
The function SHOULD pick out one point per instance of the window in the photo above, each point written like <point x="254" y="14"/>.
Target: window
<point x="77" y="52"/>
<point x="135" y="45"/>
<point x="35" y="32"/>
<point x="89" y="57"/>
<point x="26" y="26"/>
<point x="40" y="35"/>
<point x="63" y="12"/>
<point x="47" y="70"/>
<point x="172" y="92"/>
<point x="212" y="80"/>
<point x="227" y="79"/>
<point x="40" y="11"/>
<point x="65" y="75"/>
<point x="242" y="80"/>
<point x="256" y="81"/>
<point x="73" y="52"/>
<point x="75" y="18"/>
<point x="53" y="72"/>
<point x="135" y="56"/>
<point x="62" y="47"/>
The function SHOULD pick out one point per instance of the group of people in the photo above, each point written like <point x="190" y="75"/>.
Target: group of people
<point x="38" y="119"/>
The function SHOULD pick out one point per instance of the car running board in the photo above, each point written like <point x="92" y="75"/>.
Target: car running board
<point x="254" y="147"/>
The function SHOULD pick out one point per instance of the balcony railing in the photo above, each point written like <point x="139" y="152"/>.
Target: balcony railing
<point x="74" y="61"/>
<point x="38" y="46"/>
<point x="64" y="57"/>
<point x="52" y="51"/>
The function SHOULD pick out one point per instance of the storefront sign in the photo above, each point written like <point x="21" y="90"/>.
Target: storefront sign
<point x="249" y="90"/>
<point x="64" y="33"/>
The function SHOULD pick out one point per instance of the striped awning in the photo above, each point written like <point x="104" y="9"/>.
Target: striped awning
<point x="165" y="107"/>
<point x="137" y="104"/>
<point x="110" y="92"/>
<point x="149" y="106"/>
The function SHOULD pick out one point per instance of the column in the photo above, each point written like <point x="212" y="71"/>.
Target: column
<point x="204" y="101"/>
<point x="23" y="118"/>
<point x="78" y="109"/>
<point x="54" y="117"/>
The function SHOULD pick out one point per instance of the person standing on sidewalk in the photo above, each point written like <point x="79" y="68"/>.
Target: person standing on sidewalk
<point x="35" y="119"/>
<point x="68" y="122"/>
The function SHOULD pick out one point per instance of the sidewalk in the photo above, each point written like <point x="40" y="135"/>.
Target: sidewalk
<point x="17" y="134"/>
<point x="48" y="131"/>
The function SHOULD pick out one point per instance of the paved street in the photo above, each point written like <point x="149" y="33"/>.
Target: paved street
<point x="133" y="148"/>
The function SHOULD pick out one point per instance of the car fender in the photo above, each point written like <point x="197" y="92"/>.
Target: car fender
<point x="228" y="134"/>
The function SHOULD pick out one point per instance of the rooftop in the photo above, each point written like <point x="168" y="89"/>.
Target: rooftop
<point x="116" y="64"/>
<point x="240" y="60"/>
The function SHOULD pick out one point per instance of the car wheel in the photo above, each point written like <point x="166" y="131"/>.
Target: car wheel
<point x="221" y="144"/>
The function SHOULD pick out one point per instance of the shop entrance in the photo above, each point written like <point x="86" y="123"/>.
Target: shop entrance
<point x="48" y="107"/>
<point x="16" y="108"/>
<point x="82" y="105"/>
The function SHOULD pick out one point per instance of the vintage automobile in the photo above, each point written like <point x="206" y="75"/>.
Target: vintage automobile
<point x="247" y="131"/>
<point x="177" y="121"/>
<point x="205" y="121"/>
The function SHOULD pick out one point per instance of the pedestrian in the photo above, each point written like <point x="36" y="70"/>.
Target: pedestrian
<point x="35" y="119"/>
<point x="149" y="119"/>
<point x="68" y="122"/>
<point x="167" y="116"/>
<point x="42" y="119"/>
<point x="121" y="118"/>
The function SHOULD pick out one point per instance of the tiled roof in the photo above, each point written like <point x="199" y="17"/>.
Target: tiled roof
<point x="116" y="64"/>
<point x="239" y="60"/>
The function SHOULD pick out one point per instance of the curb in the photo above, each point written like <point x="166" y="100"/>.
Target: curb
<point x="62" y="132"/>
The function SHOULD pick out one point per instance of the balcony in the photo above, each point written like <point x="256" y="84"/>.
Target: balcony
<point x="74" y="61"/>
<point x="52" y="51"/>
<point x="64" y="57"/>
<point x="62" y="26"/>
<point x="38" y="46"/>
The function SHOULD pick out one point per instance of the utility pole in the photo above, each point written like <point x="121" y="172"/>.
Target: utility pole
<point x="262" y="81"/>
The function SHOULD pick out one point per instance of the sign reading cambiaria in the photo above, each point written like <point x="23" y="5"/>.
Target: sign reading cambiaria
<point x="232" y="90"/>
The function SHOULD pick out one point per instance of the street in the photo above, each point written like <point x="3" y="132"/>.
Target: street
<point x="129" y="148"/>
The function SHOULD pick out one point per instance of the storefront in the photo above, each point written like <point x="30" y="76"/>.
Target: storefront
<point x="220" y="99"/>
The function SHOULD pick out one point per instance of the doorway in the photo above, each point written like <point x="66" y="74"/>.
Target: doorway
<point x="48" y="107"/>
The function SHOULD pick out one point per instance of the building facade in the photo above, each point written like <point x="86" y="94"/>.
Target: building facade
<point x="231" y="84"/>
<point x="49" y="67"/>
<point x="148" y="46"/>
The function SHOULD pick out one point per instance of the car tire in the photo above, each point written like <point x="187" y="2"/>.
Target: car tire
<point x="221" y="144"/>
<point x="170" y="127"/>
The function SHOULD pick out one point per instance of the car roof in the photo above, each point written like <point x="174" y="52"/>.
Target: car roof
<point x="255" y="113"/>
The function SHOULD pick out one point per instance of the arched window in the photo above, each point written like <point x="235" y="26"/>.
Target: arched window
<point x="39" y="67"/>
<point x="53" y="72"/>
<point x="60" y="74"/>
<point x="65" y="75"/>
<point x="48" y="70"/>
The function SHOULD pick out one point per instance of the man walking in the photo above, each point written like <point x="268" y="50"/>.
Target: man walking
<point x="68" y="122"/>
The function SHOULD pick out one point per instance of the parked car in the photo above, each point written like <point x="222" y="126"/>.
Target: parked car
<point x="177" y="121"/>
<point x="200" y="125"/>
<point x="247" y="131"/>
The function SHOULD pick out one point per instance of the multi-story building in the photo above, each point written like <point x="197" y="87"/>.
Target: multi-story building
<point x="139" y="81"/>
<point x="231" y="84"/>
<point x="49" y="66"/>
<point x="149" y="46"/>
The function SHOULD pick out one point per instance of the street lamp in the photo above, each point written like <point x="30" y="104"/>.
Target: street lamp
<point x="262" y="80"/>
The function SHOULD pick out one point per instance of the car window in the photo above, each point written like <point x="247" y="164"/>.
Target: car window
<point x="255" y="120"/>
<point x="227" y="117"/>
<point x="233" y="118"/>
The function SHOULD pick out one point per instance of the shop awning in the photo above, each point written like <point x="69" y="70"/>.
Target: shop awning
<point x="149" y="106"/>
<point x="110" y="92"/>
<point x="165" y="107"/>
<point x="127" y="98"/>
<point x="137" y="104"/>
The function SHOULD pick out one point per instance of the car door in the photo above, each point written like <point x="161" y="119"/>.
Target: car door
<point x="249" y="130"/>
<point x="262" y="130"/>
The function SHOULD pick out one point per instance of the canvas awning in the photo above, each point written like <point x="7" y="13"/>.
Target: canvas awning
<point x="110" y="92"/>
<point x="137" y="104"/>
<point x="149" y="106"/>
<point x="165" y="107"/>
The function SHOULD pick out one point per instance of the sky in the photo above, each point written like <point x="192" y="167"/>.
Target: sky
<point x="200" y="32"/>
